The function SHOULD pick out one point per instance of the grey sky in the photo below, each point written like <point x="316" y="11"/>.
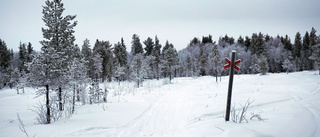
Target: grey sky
<point x="175" y="20"/>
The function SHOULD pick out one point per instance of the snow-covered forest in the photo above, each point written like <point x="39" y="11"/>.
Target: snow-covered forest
<point x="69" y="74"/>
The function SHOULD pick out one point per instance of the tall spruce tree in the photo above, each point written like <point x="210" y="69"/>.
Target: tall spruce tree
<point x="203" y="58"/>
<point x="313" y="37"/>
<point x="104" y="49"/>
<point x="136" y="47"/>
<point x="50" y="68"/>
<point x="297" y="50"/>
<point x="247" y="43"/>
<point x="121" y="58"/>
<point x="59" y="36"/>
<point x="305" y="51"/>
<point x="316" y="56"/>
<point x="257" y="44"/>
<point x="215" y="60"/>
<point x="29" y="50"/>
<point x="157" y="54"/>
<point x="149" y="46"/>
<point x="120" y="53"/>
<point x="171" y="61"/>
<point x="240" y="40"/>
<point x="287" y="43"/>
<point x="88" y="57"/>
<point x="22" y="57"/>
<point x="5" y="64"/>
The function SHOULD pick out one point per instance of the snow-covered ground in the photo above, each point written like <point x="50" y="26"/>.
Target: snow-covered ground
<point x="289" y="103"/>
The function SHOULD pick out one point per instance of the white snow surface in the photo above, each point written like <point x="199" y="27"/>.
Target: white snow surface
<point x="195" y="107"/>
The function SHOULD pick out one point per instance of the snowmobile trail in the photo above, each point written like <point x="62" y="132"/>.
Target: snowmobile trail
<point x="168" y="116"/>
<point x="307" y="100"/>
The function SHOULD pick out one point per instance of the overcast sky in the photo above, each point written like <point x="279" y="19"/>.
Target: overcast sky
<point x="175" y="20"/>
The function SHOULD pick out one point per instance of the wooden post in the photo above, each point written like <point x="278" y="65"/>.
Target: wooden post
<point x="230" y="85"/>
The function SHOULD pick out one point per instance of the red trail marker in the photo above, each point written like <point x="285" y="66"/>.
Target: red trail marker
<point x="229" y="64"/>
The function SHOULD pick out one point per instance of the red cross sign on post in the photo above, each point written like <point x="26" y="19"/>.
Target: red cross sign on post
<point x="232" y="64"/>
<point x="229" y="64"/>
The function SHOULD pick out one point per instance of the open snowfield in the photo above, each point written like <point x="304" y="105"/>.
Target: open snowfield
<point x="289" y="103"/>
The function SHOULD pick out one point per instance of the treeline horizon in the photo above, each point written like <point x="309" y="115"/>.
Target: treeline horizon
<point x="250" y="43"/>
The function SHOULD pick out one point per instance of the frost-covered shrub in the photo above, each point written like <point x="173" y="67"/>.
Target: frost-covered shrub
<point x="240" y="116"/>
<point x="166" y="81"/>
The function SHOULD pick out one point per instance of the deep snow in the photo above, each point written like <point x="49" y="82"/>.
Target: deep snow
<point x="289" y="103"/>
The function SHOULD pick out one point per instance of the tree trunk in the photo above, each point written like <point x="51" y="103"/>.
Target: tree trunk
<point x="170" y="74"/>
<point x="105" y="95"/>
<point x="60" y="98"/>
<point x="73" y="97"/>
<point x="78" y="94"/>
<point x="216" y="75"/>
<point x="47" y="104"/>
<point x="158" y="77"/>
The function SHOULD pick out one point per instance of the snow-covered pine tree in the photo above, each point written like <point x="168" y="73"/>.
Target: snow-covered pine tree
<point x="314" y="40"/>
<point x="87" y="54"/>
<point x="296" y="51"/>
<point x="263" y="65"/>
<point x="97" y="72"/>
<point x="104" y="49"/>
<point x="203" y="58"/>
<point x="14" y="80"/>
<point x="240" y="40"/>
<point x="215" y="60"/>
<point x="23" y="56"/>
<point x="157" y="54"/>
<point x="257" y="44"/>
<point x="97" y="65"/>
<point x="58" y="34"/>
<point x="120" y="62"/>
<point x="78" y="80"/>
<point x="43" y="74"/>
<point x="5" y="63"/>
<point x="30" y="52"/>
<point x="164" y="62"/>
<point x="120" y="53"/>
<point x="276" y="54"/>
<point x="287" y="65"/>
<point x="316" y="56"/>
<point x="149" y="46"/>
<point x="171" y="60"/>
<point x="254" y="66"/>
<point x="137" y="69"/>
<point x="306" y="47"/>
<point x="147" y="66"/>
<point x="120" y="73"/>
<point x="189" y="67"/>
<point x="136" y="47"/>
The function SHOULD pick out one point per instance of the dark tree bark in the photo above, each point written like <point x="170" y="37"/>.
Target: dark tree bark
<point x="60" y="99"/>
<point x="73" y="98"/>
<point x="47" y="104"/>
